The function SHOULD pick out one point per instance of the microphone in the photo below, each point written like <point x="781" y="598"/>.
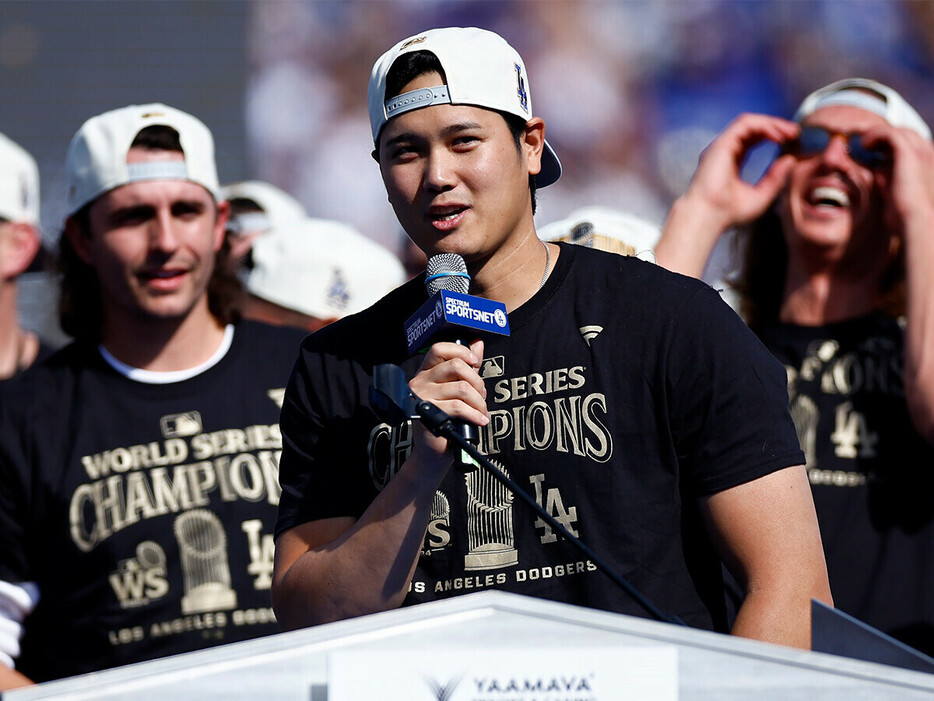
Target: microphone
<point x="450" y="314"/>
<point x="447" y="271"/>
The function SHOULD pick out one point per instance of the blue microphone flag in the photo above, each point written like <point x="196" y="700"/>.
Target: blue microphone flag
<point x="448" y="313"/>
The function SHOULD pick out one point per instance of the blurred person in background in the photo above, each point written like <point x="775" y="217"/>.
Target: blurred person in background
<point x="138" y="465"/>
<point x="310" y="272"/>
<point x="606" y="229"/>
<point x="838" y="249"/>
<point x="19" y="244"/>
<point x="256" y="207"/>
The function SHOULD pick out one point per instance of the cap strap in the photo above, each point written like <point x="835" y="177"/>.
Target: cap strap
<point x="874" y="103"/>
<point x="156" y="170"/>
<point x="416" y="99"/>
<point x="249" y="221"/>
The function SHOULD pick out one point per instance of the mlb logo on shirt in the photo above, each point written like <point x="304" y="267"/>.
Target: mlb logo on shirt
<point x="493" y="367"/>
<point x="176" y="425"/>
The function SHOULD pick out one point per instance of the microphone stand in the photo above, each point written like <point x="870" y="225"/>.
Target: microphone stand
<point x="440" y="424"/>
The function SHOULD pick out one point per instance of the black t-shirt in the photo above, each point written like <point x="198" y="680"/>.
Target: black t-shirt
<point x="623" y="393"/>
<point x="44" y="352"/>
<point x="871" y="473"/>
<point x="144" y="512"/>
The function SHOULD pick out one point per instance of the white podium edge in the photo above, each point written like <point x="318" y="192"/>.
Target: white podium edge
<point x="466" y="607"/>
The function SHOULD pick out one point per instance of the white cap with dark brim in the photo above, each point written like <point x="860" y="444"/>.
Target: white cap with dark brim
<point x="480" y="69"/>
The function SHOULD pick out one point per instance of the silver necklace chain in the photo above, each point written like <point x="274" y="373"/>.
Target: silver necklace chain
<point x="547" y="265"/>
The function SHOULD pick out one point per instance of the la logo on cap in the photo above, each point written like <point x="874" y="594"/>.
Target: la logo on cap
<point x="521" y="91"/>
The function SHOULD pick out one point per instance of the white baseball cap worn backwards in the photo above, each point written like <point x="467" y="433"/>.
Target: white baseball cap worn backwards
<point x="480" y="69"/>
<point x="869" y="95"/>
<point x="96" y="161"/>
<point x="19" y="184"/>
<point x="322" y="268"/>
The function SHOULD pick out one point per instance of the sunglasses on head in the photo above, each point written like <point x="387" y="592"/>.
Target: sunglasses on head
<point x="814" y="140"/>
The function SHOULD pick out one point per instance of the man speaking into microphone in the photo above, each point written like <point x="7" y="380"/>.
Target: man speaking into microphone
<point x="634" y="405"/>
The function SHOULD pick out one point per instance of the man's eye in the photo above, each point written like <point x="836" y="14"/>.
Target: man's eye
<point x="403" y="151"/>
<point x="129" y="217"/>
<point x="186" y="211"/>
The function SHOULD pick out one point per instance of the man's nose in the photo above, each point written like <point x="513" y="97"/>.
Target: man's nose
<point x="837" y="152"/>
<point x="440" y="169"/>
<point x="163" y="233"/>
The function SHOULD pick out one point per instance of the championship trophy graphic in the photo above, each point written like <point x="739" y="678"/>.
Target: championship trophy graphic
<point x="202" y="547"/>
<point x="490" y="534"/>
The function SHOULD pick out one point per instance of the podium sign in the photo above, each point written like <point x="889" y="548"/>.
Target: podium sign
<point x="644" y="673"/>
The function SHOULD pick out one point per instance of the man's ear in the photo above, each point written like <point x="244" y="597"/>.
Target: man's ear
<point x="220" y="224"/>
<point x="22" y="245"/>
<point x="79" y="240"/>
<point x="375" y="155"/>
<point x="533" y="144"/>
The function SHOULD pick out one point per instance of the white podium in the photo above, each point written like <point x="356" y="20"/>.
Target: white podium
<point x="475" y="631"/>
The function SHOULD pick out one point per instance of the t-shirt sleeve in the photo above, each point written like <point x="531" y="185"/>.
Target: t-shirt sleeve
<point x="728" y="398"/>
<point x="323" y="442"/>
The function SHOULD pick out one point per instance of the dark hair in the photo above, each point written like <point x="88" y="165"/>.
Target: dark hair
<point x="158" y="138"/>
<point x="760" y="281"/>
<point x="408" y="67"/>
<point x="243" y="205"/>
<point x="79" y="307"/>
<point x="411" y="65"/>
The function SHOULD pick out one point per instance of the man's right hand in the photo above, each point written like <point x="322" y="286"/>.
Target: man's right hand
<point x="718" y="198"/>
<point x="449" y="378"/>
<point x="717" y="182"/>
